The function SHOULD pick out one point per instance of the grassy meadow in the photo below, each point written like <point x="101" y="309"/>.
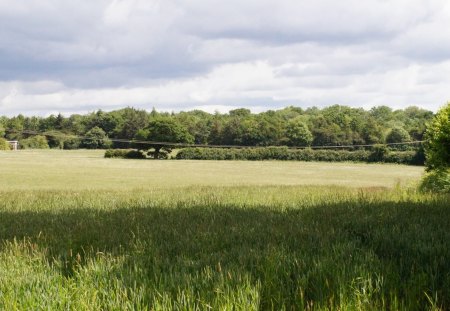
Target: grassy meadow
<point x="80" y="232"/>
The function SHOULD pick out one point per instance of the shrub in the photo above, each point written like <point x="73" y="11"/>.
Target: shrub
<point x="381" y="154"/>
<point x="125" y="154"/>
<point x="4" y="145"/>
<point x="378" y="154"/>
<point x="34" y="142"/>
<point x="72" y="143"/>
<point x="436" y="181"/>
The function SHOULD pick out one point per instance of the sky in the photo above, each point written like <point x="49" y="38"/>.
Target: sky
<point x="66" y="56"/>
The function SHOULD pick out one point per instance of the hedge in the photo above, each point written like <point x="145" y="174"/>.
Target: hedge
<point x="379" y="154"/>
<point x="125" y="154"/>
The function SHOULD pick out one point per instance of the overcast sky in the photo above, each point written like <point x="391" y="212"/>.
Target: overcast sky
<point x="78" y="56"/>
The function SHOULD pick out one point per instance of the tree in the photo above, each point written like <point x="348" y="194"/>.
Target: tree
<point x="165" y="130"/>
<point x="96" y="138"/>
<point x="130" y="121"/>
<point x="55" y="139"/>
<point x="397" y="135"/>
<point x="298" y="134"/>
<point x="437" y="147"/>
<point x="437" y="153"/>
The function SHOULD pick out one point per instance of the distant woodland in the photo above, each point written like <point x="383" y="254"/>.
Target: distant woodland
<point x="292" y="126"/>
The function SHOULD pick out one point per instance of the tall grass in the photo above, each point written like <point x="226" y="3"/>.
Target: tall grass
<point x="235" y="248"/>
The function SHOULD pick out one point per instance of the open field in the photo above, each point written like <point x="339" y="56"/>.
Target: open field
<point x="78" y="170"/>
<point x="79" y="232"/>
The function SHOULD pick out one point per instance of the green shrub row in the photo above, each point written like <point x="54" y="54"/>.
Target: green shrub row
<point x="379" y="154"/>
<point x="125" y="154"/>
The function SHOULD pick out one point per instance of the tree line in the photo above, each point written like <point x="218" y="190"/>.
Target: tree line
<point x="292" y="126"/>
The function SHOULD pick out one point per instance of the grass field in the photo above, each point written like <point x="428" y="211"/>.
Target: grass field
<point x="78" y="170"/>
<point x="79" y="232"/>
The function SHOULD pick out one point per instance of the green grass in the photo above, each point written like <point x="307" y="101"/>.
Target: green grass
<point x="81" y="169"/>
<point x="181" y="245"/>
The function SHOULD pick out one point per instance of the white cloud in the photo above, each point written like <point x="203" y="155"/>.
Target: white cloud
<point x="60" y="55"/>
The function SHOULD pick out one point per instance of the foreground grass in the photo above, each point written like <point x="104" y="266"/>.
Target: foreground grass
<point x="234" y="248"/>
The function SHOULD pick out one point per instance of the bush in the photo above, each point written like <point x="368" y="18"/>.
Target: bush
<point x="72" y="144"/>
<point x="437" y="181"/>
<point x="380" y="154"/>
<point x="34" y="142"/>
<point x="125" y="154"/>
<point x="4" y="145"/>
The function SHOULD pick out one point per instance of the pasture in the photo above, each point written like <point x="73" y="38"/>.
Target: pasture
<point x="84" y="169"/>
<point x="80" y="232"/>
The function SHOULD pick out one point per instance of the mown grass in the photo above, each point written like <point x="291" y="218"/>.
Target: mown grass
<point x="235" y="248"/>
<point x="79" y="232"/>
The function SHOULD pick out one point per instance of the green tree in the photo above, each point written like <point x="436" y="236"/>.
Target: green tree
<point x="397" y="135"/>
<point x="437" y="147"/>
<point x="298" y="134"/>
<point x="166" y="131"/>
<point x="96" y="138"/>
<point x="55" y="139"/>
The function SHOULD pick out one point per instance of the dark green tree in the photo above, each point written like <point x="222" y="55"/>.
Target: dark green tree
<point x="165" y="131"/>
<point x="397" y="135"/>
<point x="96" y="138"/>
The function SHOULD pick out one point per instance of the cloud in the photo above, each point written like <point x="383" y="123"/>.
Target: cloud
<point x="66" y="56"/>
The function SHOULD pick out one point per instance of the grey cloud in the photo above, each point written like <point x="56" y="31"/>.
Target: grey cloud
<point x="318" y="51"/>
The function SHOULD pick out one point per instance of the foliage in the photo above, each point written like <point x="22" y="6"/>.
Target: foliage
<point x="437" y="147"/>
<point x="437" y="180"/>
<point x="4" y="145"/>
<point x="71" y="143"/>
<point x="167" y="131"/>
<point x="55" y="139"/>
<point x="298" y="134"/>
<point x="34" y="142"/>
<point x="397" y="135"/>
<point x="96" y="138"/>
<point x="125" y="154"/>
<point x="379" y="154"/>
<point x="335" y="125"/>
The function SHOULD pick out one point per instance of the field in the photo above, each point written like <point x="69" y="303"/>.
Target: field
<point x="80" y="232"/>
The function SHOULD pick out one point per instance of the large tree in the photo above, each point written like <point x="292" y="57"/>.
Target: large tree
<point x="297" y="133"/>
<point x="437" y="147"/>
<point x="437" y="153"/>
<point x="163" y="132"/>
<point x="96" y="138"/>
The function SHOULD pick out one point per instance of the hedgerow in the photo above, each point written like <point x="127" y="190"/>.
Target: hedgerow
<point x="308" y="154"/>
<point x="125" y="154"/>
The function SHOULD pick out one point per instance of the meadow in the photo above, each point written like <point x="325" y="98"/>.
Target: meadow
<point x="80" y="232"/>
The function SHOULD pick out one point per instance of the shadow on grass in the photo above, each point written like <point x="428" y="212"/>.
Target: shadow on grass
<point x="404" y="248"/>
